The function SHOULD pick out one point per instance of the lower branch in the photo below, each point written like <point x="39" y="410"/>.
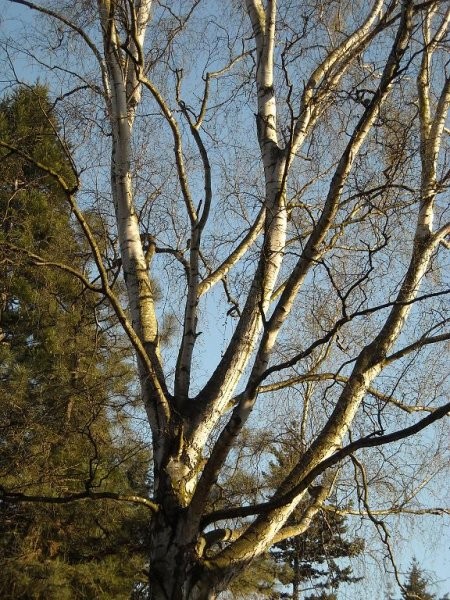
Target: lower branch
<point x="12" y="497"/>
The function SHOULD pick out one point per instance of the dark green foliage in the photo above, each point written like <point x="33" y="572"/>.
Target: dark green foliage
<point x="313" y="560"/>
<point x="64" y="373"/>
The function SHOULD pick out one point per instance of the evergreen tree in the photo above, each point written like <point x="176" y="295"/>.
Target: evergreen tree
<point x="416" y="585"/>
<point x="311" y="560"/>
<point x="60" y="385"/>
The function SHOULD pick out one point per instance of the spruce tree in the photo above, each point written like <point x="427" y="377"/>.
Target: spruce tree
<point x="318" y="559"/>
<point x="416" y="587"/>
<point x="314" y="559"/>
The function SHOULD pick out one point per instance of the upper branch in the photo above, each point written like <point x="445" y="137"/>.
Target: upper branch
<point x="76" y="29"/>
<point x="337" y="61"/>
<point x="184" y="362"/>
<point x="178" y="147"/>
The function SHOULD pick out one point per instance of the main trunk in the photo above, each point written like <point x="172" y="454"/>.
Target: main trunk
<point x="179" y="566"/>
<point x="175" y="571"/>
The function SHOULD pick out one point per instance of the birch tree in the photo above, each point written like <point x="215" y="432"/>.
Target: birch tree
<point x="281" y="169"/>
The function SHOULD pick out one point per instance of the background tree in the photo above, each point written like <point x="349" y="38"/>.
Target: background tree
<point x="62" y="386"/>
<point x="313" y="560"/>
<point x="416" y="585"/>
<point x="262" y="148"/>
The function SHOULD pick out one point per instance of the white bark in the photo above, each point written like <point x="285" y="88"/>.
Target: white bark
<point x="124" y="97"/>
<point x="369" y="364"/>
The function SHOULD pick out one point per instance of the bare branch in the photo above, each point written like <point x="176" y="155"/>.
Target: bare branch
<point x="76" y="29"/>
<point x="15" y="497"/>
